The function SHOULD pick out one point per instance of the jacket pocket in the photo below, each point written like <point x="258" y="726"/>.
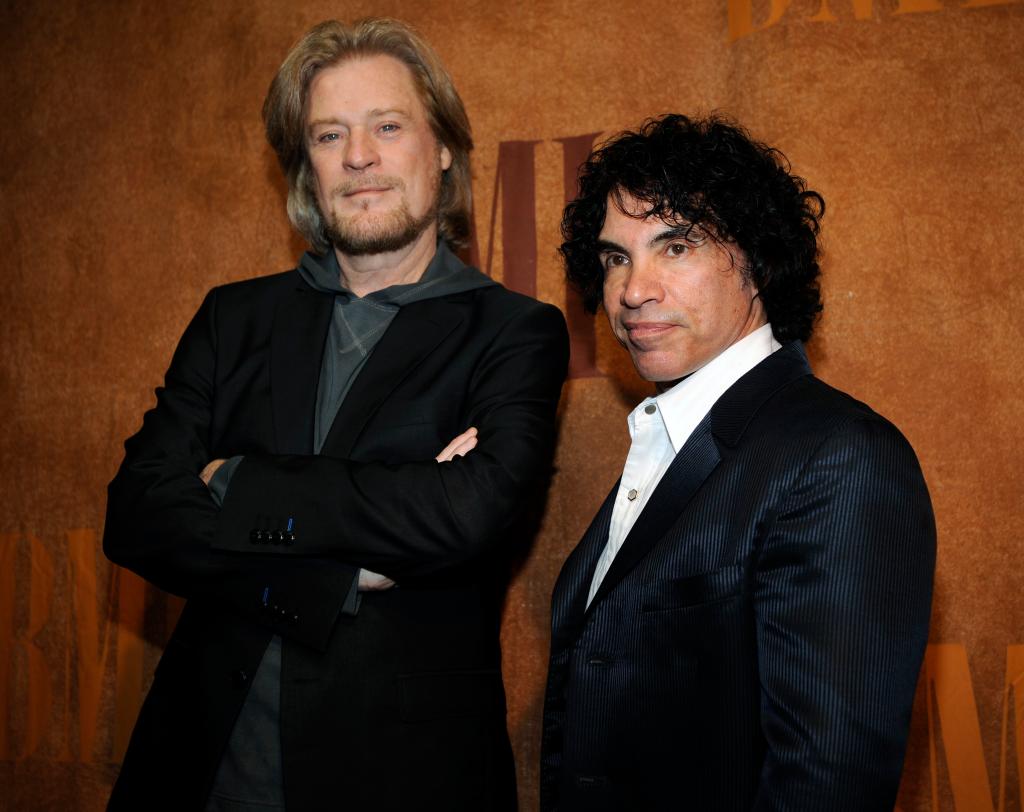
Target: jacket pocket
<point x="694" y="590"/>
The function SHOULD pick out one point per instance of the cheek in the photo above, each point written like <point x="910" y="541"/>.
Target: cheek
<point x="611" y="290"/>
<point x="610" y="302"/>
<point x="318" y="181"/>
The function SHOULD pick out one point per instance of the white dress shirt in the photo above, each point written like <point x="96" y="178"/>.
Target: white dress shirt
<point x="661" y="425"/>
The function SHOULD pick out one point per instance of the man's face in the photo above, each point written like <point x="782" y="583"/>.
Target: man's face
<point x="675" y="300"/>
<point x="376" y="163"/>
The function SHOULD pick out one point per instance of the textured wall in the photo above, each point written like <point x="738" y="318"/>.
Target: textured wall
<point x="134" y="176"/>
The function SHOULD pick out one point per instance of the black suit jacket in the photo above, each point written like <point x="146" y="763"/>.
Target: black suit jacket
<point x="757" y="640"/>
<point x="403" y="703"/>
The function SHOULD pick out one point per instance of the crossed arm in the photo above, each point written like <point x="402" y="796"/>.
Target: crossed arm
<point x="406" y="519"/>
<point x="461" y="445"/>
<point x="373" y="581"/>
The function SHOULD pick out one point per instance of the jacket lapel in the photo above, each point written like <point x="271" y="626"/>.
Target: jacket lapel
<point x="735" y="409"/>
<point x="569" y="600"/>
<point x="691" y="466"/>
<point x="296" y="349"/>
<point x="416" y="331"/>
<point x="700" y="455"/>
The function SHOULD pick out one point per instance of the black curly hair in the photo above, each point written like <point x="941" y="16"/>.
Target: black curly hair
<point x="711" y="174"/>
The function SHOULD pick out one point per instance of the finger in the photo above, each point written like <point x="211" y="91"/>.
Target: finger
<point x="459" y="446"/>
<point x="453" y="447"/>
<point x="211" y="468"/>
<point x="464" y="447"/>
<point x="373" y="581"/>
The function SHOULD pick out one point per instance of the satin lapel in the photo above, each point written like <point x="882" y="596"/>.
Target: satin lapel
<point x="296" y="349"/>
<point x="569" y="600"/>
<point x="691" y="466"/>
<point x="415" y="333"/>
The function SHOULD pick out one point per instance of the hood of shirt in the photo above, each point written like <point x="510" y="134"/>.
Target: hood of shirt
<point x="446" y="274"/>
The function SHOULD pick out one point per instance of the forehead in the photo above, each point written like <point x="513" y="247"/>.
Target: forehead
<point x="625" y="217"/>
<point x="365" y="84"/>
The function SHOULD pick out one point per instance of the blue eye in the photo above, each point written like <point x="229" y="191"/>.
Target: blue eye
<point x="389" y="128"/>
<point x="328" y="137"/>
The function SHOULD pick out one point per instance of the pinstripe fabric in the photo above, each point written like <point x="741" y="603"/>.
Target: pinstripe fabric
<point x="757" y="641"/>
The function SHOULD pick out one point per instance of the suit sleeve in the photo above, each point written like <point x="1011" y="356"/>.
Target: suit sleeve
<point x="420" y="518"/>
<point x="842" y="601"/>
<point x="161" y="520"/>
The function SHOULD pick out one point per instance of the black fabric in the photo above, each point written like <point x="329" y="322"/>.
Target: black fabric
<point x="357" y="323"/>
<point x="252" y="767"/>
<point x="757" y="640"/>
<point x="282" y="552"/>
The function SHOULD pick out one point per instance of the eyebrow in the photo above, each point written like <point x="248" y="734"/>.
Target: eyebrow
<point x="605" y="246"/>
<point x="375" y="113"/>
<point x="320" y="122"/>
<point x="378" y="113"/>
<point x="669" y="234"/>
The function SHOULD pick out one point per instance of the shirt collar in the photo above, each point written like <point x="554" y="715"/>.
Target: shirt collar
<point x="684" y="405"/>
<point x="444" y="275"/>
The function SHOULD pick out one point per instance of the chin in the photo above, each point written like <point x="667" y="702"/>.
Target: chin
<point x="651" y="370"/>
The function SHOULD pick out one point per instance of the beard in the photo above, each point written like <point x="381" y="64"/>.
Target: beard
<point x="363" y="233"/>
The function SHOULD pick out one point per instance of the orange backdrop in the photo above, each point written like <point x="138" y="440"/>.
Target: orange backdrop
<point x="134" y="176"/>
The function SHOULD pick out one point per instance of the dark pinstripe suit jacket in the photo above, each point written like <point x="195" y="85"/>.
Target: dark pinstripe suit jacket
<point x="757" y="640"/>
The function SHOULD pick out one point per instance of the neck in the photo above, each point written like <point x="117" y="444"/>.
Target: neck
<point x="367" y="273"/>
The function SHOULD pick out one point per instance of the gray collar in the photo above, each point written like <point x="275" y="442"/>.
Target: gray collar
<point x="446" y="274"/>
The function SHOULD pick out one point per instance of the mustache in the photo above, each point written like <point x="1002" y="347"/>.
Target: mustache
<point x="369" y="182"/>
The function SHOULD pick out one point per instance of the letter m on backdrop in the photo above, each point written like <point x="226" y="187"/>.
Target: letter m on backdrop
<point x="515" y="196"/>
<point x="953" y="723"/>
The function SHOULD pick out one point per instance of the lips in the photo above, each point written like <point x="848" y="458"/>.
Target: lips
<point x="368" y="185"/>
<point x="366" y="190"/>
<point x="641" y="333"/>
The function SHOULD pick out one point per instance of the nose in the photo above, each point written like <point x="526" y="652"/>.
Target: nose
<point x="360" y="150"/>
<point x="641" y="285"/>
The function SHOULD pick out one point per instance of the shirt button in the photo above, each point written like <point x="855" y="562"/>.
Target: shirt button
<point x="650" y="408"/>
<point x="632" y="494"/>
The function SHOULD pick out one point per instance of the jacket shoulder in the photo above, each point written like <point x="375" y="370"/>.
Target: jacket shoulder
<point x="498" y="305"/>
<point x="257" y="297"/>
<point x="825" y="400"/>
<point x="810" y="411"/>
<point x="270" y="285"/>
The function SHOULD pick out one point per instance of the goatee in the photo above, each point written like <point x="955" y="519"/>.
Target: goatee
<point x="366" y="233"/>
<point x="386" y="233"/>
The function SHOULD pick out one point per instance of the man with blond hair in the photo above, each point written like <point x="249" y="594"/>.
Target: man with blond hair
<point x="298" y="481"/>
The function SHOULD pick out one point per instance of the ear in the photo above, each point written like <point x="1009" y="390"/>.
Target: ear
<point x="446" y="158"/>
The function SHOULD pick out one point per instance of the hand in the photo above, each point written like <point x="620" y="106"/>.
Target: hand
<point x="211" y="468"/>
<point x="462" y="444"/>
<point x="373" y="582"/>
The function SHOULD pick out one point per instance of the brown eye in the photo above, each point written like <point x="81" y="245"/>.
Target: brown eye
<point x="677" y="249"/>
<point x="614" y="261"/>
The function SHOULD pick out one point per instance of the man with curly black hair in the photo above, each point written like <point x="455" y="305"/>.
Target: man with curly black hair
<point x="743" y="624"/>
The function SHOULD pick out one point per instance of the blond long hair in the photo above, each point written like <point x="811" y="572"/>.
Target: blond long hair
<point x="330" y="43"/>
